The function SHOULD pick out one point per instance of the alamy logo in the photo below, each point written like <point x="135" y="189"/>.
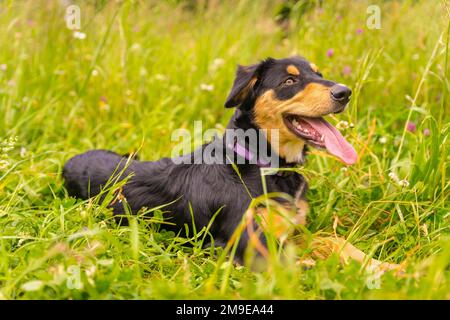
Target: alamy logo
<point x="237" y="146"/>
<point x="74" y="278"/>
<point x="73" y="17"/>
<point x="374" y="19"/>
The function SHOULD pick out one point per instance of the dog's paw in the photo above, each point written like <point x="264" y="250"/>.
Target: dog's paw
<point x="379" y="267"/>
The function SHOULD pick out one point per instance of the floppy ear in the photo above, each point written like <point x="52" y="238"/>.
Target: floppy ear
<point x="245" y="80"/>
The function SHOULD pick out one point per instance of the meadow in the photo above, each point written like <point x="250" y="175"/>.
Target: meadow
<point x="137" y="70"/>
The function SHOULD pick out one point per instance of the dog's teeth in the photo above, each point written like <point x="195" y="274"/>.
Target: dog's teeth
<point x="306" y="130"/>
<point x="295" y="123"/>
<point x="322" y="138"/>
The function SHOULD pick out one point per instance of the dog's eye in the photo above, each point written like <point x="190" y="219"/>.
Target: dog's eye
<point x="289" y="81"/>
<point x="319" y="74"/>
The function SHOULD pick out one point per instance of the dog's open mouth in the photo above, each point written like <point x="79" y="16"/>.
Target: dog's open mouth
<point x="318" y="133"/>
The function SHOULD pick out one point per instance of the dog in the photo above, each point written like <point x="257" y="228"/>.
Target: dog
<point x="289" y="96"/>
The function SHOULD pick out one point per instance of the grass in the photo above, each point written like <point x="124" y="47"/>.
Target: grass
<point x="139" y="74"/>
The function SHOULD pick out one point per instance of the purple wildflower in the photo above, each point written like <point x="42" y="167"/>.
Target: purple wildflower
<point x="347" y="70"/>
<point x="426" y="132"/>
<point x="330" y="52"/>
<point x="359" y="31"/>
<point x="411" y="127"/>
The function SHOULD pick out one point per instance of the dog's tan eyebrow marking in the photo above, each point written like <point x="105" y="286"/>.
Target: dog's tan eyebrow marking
<point x="291" y="69"/>
<point x="314" y="67"/>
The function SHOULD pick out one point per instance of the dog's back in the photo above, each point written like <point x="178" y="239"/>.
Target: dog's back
<point x="92" y="168"/>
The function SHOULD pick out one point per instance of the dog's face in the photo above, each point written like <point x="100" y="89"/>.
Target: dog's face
<point x="290" y="95"/>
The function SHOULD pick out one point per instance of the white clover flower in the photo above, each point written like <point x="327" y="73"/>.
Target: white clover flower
<point x="383" y="140"/>
<point x="342" y="125"/>
<point x="218" y="61"/>
<point x="206" y="87"/>
<point x="23" y="152"/>
<point x="24" y="237"/>
<point x="94" y="73"/>
<point x="216" y="64"/>
<point x="4" y="165"/>
<point x="160" y="77"/>
<point x="403" y="183"/>
<point x="143" y="72"/>
<point x="135" y="47"/>
<point x="393" y="176"/>
<point x="8" y="144"/>
<point x="79" y="35"/>
<point x="32" y="285"/>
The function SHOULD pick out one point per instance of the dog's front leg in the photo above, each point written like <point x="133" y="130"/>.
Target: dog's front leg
<point x="323" y="247"/>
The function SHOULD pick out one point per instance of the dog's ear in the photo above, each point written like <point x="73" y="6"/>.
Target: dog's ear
<point x="246" y="78"/>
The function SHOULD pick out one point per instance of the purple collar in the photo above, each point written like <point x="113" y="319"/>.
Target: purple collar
<point x="248" y="155"/>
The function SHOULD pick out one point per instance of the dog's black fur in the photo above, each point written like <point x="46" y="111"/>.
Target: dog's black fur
<point x="208" y="188"/>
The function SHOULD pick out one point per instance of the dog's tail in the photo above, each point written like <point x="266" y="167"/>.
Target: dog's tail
<point x="87" y="173"/>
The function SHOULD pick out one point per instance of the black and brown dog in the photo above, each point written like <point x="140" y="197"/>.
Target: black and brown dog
<point x="289" y="95"/>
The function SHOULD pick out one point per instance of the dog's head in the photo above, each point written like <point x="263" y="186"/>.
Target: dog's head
<point x="292" y="96"/>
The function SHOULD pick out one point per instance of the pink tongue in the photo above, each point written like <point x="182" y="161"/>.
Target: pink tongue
<point x="334" y="141"/>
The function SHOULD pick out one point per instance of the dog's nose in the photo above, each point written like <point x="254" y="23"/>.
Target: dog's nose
<point x="340" y="93"/>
